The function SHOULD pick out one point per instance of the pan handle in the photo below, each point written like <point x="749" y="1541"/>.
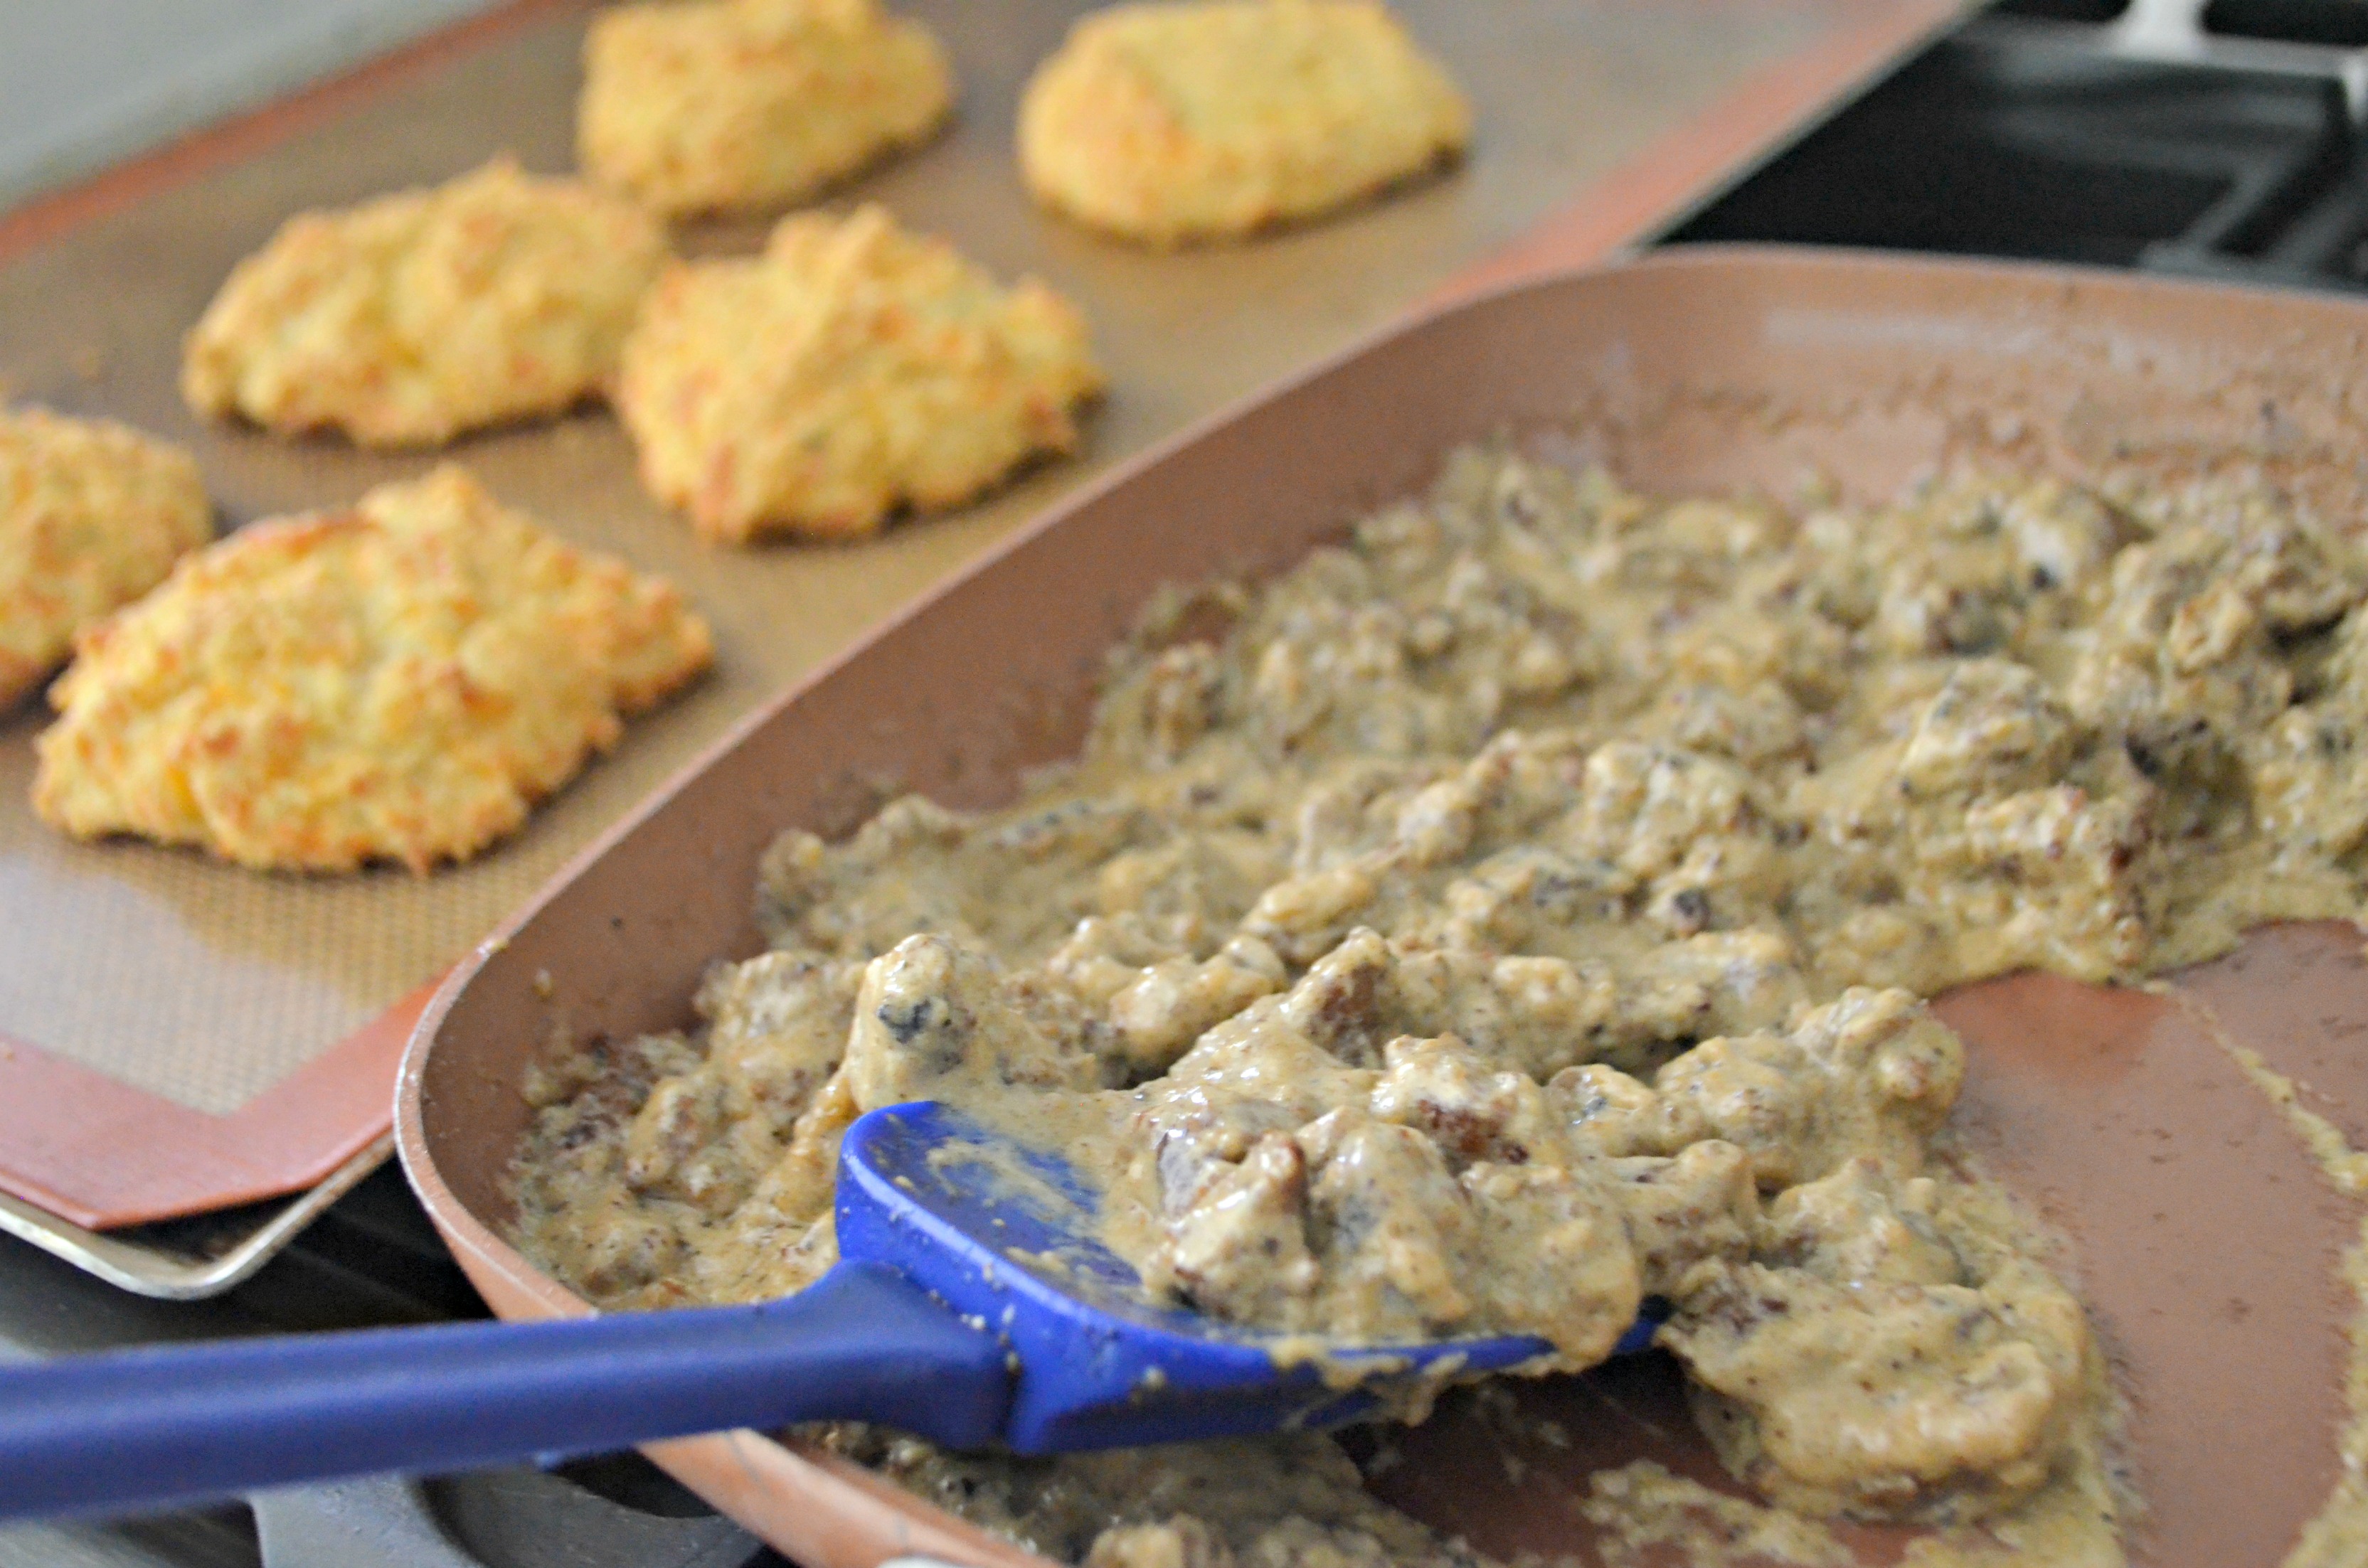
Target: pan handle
<point x="146" y="1430"/>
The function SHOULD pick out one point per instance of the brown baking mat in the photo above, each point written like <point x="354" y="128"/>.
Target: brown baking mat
<point x="179" y="1035"/>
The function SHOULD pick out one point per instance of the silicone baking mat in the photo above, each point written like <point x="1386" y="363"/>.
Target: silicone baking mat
<point x="177" y="1035"/>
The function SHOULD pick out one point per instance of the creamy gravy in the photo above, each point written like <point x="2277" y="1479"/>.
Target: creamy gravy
<point x="1522" y="911"/>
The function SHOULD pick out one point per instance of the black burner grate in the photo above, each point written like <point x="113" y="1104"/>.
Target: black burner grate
<point x="2031" y="139"/>
<point x="2334" y="24"/>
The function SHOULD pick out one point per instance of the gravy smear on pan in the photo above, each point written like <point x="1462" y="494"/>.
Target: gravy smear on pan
<point x="1522" y="911"/>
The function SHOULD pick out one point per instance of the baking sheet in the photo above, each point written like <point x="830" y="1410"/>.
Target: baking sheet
<point x="196" y="989"/>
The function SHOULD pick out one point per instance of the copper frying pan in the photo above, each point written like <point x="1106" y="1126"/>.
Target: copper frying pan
<point x="2206" y="1245"/>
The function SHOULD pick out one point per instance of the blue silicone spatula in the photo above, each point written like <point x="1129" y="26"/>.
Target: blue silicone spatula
<point x="930" y="1322"/>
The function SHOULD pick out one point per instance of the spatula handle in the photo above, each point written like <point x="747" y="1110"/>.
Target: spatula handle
<point x="150" y="1428"/>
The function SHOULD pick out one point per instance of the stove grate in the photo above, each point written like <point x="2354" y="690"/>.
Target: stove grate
<point x="2082" y="131"/>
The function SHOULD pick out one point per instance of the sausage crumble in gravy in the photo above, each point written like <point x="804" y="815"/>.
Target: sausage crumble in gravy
<point x="1522" y="911"/>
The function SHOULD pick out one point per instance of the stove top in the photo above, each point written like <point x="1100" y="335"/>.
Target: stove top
<point x="2214" y="138"/>
<point x="2219" y="139"/>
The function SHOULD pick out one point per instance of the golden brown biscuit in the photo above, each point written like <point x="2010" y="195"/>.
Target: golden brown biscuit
<point x="752" y="102"/>
<point x="409" y="319"/>
<point x="91" y="516"/>
<point x="1212" y="118"/>
<point x="401" y="682"/>
<point x="850" y="368"/>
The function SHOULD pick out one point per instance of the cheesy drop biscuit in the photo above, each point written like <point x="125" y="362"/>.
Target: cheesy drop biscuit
<point x="851" y="368"/>
<point x="1212" y="119"/>
<point x="727" y="104"/>
<point x="398" y="682"/>
<point x="414" y="317"/>
<point x="91" y="516"/>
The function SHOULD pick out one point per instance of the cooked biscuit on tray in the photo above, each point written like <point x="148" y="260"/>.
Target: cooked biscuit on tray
<point x="399" y="681"/>
<point x="91" y="516"/>
<point x="851" y="368"/>
<point x="414" y="317"/>
<point x="1212" y="119"/>
<point x="727" y="104"/>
